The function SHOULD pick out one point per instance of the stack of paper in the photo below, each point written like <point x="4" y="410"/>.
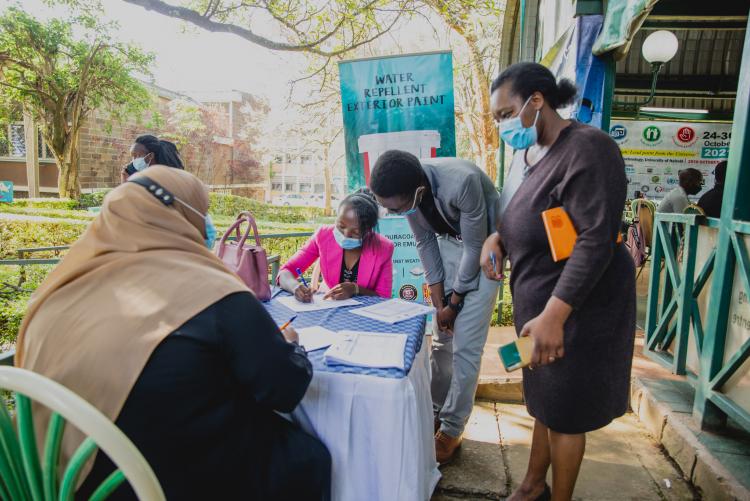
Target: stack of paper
<point x="315" y="338"/>
<point x="318" y="303"/>
<point x="393" y="311"/>
<point x="368" y="349"/>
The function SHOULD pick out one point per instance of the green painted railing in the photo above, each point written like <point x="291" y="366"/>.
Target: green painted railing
<point x="673" y="313"/>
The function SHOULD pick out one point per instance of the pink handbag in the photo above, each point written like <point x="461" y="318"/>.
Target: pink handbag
<point x="246" y="260"/>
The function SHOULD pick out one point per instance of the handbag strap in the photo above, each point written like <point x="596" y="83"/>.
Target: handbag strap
<point x="247" y="216"/>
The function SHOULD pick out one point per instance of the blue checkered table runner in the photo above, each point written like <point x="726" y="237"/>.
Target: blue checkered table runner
<point x="339" y="319"/>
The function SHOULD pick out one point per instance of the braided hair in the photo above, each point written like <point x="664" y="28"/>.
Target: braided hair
<point x="165" y="152"/>
<point x="363" y="203"/>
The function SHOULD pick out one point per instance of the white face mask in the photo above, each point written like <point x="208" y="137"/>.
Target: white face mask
<point x="140" y="163"/>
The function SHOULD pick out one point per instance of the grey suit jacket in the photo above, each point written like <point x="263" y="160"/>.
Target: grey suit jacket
<point x="468" y="201"/>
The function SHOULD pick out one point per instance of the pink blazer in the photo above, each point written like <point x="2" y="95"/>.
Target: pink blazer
<point x="375" y="265"/>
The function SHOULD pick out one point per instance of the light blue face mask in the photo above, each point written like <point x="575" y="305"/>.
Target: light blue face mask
<point x="140" y="163"/>
<point x="413" y="209"/>
<point x="210" y="232"/>
<point x="346" y="243"/>
<point x="515" y="134"/>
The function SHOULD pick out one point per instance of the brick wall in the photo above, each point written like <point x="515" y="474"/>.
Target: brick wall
<point x="104" y="153"/>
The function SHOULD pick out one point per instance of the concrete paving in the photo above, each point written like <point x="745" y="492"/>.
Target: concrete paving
<point x="622" y="462"/>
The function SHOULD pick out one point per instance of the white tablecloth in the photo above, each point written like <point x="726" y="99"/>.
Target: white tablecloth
<point x="379" y="432"/>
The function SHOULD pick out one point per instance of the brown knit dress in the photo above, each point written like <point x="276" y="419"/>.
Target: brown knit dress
<point x="583" y="172"/>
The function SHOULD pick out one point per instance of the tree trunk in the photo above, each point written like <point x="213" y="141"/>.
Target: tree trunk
<point x="487" y="133"/>
<point x="328" y="180"/>
<point x="68" y="184"/>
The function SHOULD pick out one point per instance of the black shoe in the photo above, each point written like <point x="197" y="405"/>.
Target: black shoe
<point x="546" y="495"/>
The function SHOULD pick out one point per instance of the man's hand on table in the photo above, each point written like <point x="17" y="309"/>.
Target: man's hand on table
<point x="344" y="290"/>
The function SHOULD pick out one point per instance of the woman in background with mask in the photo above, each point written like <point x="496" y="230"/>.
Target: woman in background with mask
<point x="580" y="312"/>
<point x="149" y="150"/>
<point x="145" y="323"/>
<point x="354" y="260"/>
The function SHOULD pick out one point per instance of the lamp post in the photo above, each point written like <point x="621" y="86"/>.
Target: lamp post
<point x="658" y="49"/>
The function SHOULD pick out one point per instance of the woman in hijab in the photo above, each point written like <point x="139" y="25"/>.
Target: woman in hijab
<point x="144" y="322"/>
<point x="149" y="150"/>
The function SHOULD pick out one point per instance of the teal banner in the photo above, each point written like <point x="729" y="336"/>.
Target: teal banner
<point x="6" y="191"/>
<point x="408" y="274"/>
<point x="397" y="102"/>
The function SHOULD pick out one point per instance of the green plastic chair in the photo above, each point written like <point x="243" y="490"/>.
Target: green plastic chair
<point x="23" y="477"/>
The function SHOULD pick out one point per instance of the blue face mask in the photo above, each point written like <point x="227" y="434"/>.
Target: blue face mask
<point x="413" y="209"/>
<point x="210" y="232"/>
<point x="345" y="242"/>
<point x="515" y="134"/>
<point x="139" y="163"/>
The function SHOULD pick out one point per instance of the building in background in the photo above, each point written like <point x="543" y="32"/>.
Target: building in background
<point x="214" y="133"/>
<point x="297" y="177"/>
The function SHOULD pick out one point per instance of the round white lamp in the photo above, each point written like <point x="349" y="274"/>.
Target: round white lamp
<point x="659" y="47"/>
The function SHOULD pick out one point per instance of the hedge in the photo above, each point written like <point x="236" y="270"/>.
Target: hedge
<point x="20" y="234"/>
<point x="41" y="203"/>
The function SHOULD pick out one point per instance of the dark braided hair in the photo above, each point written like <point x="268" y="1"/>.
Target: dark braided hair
<point x="165" y="152"/>
<point x="366" y="208"/>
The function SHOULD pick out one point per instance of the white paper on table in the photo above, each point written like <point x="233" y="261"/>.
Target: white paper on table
<point x="393" y="311"/>
<point x="368" y="349"/>
<point x="317" y="303"/>
<point x="317" y="337"/>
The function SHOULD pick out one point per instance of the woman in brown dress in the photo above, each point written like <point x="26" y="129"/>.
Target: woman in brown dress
<point x="580" y="311"/>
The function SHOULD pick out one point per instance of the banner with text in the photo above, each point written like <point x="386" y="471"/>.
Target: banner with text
<point x="408" y="274"/>
<point x="656" y="151"/>
<point x="396" y="102"/>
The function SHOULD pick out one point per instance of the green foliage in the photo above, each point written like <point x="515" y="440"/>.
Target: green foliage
<point x="230" y="205"/>
<point x="52" y="213"/>
<point x="505" y="318"/>
<point x="40" y="203"/>
<point x="24" y="234"/>
<point x="59" y="74"/>
<point x="95" y="199"/>
<point x="16" y="285"/>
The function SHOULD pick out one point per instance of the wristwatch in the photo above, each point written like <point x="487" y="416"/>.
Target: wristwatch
<point x="455" y="307"/>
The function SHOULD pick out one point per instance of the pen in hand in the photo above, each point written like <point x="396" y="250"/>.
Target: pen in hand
<point x="304" y="282"/>
<point x="287" y="323"/>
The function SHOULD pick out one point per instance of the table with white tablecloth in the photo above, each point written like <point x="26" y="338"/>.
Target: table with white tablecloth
<point x="376" y="423"/>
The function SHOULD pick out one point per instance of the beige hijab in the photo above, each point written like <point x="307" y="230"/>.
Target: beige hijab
<point x="139" y="272"/>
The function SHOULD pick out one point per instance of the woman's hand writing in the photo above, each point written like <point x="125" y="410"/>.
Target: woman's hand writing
<point x="303" y="294"/>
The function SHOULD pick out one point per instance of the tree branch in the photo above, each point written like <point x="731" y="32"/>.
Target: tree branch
<point x="209" y="24"/>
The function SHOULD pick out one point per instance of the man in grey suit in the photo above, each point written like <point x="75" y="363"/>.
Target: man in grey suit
<point x="451" y="207"/>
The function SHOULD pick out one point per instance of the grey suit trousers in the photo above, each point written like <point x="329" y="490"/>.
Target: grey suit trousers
<point x="456" y="358"/>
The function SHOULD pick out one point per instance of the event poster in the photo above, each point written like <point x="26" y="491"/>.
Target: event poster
<point x="6" y="191"/>
<point x="655" y="152"/>
<point x="408" y="273"/>
<point x="396" y="102"/>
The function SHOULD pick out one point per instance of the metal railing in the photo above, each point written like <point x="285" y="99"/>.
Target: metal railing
<point x="674" y="314"/>
<point x="274" y="262"/>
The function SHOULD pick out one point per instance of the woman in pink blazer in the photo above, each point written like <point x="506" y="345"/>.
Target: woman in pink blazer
<point x="354" y="260"/>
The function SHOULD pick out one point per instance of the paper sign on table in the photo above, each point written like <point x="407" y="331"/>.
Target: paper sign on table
<point x="315" y="338"/>
<point x="317" y="303"/>
<point x="393" y="311"/>
<point x="368" y="349"/>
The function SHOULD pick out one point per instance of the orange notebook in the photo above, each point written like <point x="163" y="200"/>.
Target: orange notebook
<point x="561" y="234"/>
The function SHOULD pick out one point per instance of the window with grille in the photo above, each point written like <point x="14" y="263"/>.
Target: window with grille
<point x="13" y="144"/>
